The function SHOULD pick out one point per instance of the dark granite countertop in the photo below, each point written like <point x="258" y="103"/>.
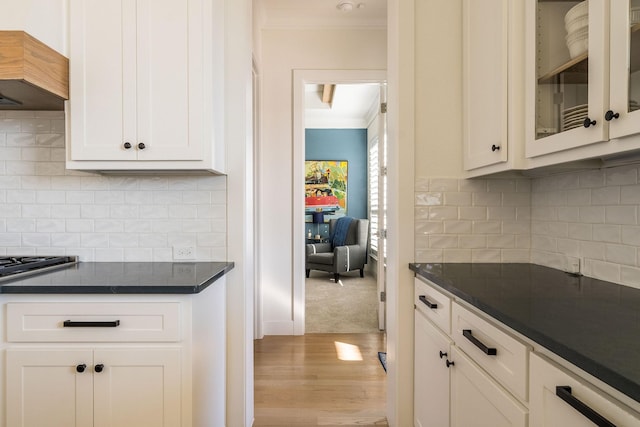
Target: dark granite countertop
<point x="121" y="278"/>
<point x="591" y="323"/>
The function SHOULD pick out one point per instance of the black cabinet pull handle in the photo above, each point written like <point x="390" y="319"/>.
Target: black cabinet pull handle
<point x="487" y="350"/>
<point x="99" y="367"/>
<point x="127" y="145"/>
<point x="80" y="368"/>
<point x="141" y="146"/>
<point x="610" y="115"/>
<point x="442" y="354"/>
<point x="431" y="305"/>
<point x="588" y="122"/>
<point x="449" y="363"/>
<point x="495" y="147"/>
<point x="564" y="393"/>
<point x="77" y="324"/>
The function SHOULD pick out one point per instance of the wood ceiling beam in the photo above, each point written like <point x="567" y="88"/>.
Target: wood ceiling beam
<point x="327" y="93"/>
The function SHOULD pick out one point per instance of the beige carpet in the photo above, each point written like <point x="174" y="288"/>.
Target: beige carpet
<point x="348" y="308"/>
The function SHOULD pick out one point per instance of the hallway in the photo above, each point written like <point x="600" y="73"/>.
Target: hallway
<point x="302" y="381"/>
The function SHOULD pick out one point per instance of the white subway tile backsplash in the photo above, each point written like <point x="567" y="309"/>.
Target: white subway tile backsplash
<point x="472" y="242"/>
<point x="501" y="185"/>
<point x="457" y="199"/>
<point x="620" y="254"/>
<point x="591" y="179"/>
<point x="428" y="199"/>
<point x="489" y="227"/>
<point x="592" y="214"/>
<point x="605" y="196"/>
<point x="501" y="213"/>
<point x="579" y="231"/>
<point x="579" y="198"/>
<point x="626" y="215"/>
<point x="504" y="241"/>
<point x="429" y="227"/>
<point x="443" y="213"/>
<point x="457" y="227"/>
<point x="606" y="233"/>
<point x="630" y="276"/>
<point x="442" y="241"/>
<point x="50" y="225"/>
<point x="487" y="199"/>
<point x="621" y="176"/>
<point x="593" y="250"/>
<point x="20" y="225"/>
<point x="443" y="184"/>
<point x="473" y="213"/>
<point x="631" y="235"/>
<point x="456" y="255"/>
<point x="45" y="209"/>
<point x="486" y="255"/>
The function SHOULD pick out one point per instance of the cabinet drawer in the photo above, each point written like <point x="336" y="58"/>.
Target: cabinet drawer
<point x="433" y="304"/>
<point x="93" y="322"/>
<point x="551" y="407"/>
<point x="499" y="353"/>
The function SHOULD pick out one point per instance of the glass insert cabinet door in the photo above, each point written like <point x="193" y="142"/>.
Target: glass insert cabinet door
<point x="567" y="74"/>
<point x="582" y="74"/>
<point x="623" y="113"/>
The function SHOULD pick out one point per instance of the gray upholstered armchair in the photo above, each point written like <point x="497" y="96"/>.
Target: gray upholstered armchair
<point x="351" y="256"/>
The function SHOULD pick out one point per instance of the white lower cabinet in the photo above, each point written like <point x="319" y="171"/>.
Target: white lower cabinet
<point x="85" y="387"/>
<point x="559" y="398"/>
<point x="431" y="385"/>
<point x="477" y="400"/>
<point x="150" y="360"/>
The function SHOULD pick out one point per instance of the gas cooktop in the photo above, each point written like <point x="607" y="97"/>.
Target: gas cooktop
<point x="12" y="266"/>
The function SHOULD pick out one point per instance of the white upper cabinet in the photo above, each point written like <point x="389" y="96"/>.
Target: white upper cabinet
<point x="582" y="61"/>
<point x="141" y="86"/>
<point x="493" y="108"/>
<point x="624" y="118"/>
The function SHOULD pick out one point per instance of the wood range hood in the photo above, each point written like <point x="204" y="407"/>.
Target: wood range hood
<point x="32" y="75"/>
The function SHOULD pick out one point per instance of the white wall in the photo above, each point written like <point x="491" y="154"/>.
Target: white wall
<point x="282" y="52"/>
<point x="43" y="19"/>
<point x="45" y="209"/>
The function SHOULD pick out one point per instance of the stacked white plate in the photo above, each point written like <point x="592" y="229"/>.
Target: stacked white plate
<point x="576" y="22"/>
<point x="574" y="117"/>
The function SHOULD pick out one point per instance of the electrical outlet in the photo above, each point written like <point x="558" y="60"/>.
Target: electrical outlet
<point x="184" y="252"/>
<point x="573" y="265"/>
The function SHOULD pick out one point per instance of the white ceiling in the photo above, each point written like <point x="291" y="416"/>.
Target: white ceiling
<point x="353" y="106"/>
<point x="322" y="14"/>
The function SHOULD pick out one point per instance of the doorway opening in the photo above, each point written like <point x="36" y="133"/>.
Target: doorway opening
<point x="318" y="128"/>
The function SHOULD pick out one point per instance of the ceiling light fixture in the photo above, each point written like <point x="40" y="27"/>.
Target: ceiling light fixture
<point x="345" y="6"/>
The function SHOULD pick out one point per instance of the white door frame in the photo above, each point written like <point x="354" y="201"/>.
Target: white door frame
<point x="300" y="79"/>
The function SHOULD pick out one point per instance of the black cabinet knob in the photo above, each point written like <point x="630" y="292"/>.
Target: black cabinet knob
<point x="127" y="145"/>
<point x="442" y="354"/>
<point x="588" y="122"/>
<point x="99" y="367"/>
<point x="449" y="363"/>
<point x="80" y="368"/>
<point x="141" y="146"/>
<point x="610" y="115"/>
<point x="495" y="147"/>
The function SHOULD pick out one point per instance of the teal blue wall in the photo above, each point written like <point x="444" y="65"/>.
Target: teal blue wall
<point x="349" y="145"/>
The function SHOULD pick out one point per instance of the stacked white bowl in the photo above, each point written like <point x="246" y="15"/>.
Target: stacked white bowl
<point x="576" y="22"/>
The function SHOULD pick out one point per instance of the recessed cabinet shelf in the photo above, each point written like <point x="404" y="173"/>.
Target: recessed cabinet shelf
<point x="574" y="71"/>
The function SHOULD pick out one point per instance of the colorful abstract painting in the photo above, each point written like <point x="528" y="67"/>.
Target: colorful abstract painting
<point x="326" y="187"/>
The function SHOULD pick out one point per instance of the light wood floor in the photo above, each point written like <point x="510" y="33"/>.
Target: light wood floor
<point x="300" y="381"/>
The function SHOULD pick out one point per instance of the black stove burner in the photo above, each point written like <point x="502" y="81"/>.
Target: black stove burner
<point x="10" y="265"/>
